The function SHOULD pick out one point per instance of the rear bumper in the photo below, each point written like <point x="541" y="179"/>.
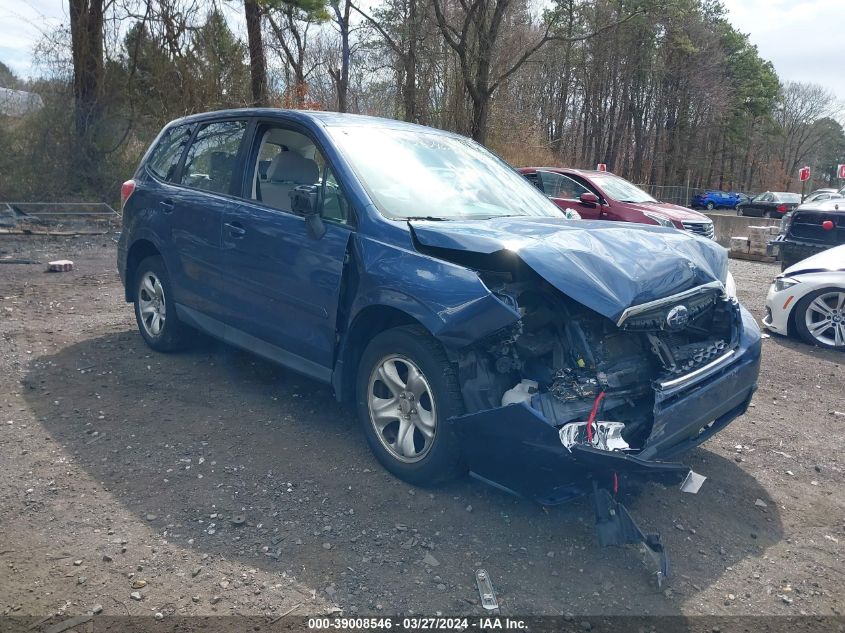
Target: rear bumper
<point x="517" y="449"/>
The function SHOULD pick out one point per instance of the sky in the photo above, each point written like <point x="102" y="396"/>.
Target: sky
<point x="802" y="38"/>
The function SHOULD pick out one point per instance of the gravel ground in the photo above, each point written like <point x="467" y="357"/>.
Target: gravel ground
<point x="211" y="482"/>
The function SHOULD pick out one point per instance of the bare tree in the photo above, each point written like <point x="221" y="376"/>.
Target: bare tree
<point x="86" y="29"/>
<point x="405" y="47"/>
<point x="474" y="32"/>
<point x="290" y="23"/>
<point x="341" y="18"/>
<point x="801" y="105"/>
<point x="257" y="59"/>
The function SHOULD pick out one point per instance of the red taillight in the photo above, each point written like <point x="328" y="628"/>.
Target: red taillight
<point x="126" y="190"/>
<point x="827" y="225"/>
<point x="782" y="208"/>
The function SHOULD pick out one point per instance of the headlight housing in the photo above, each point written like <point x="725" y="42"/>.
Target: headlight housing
<point x="782" y="283"/>
<point x="662" y="220"/>
<point x="730" y="286"/>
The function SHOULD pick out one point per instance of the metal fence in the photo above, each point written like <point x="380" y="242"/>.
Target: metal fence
<point x="58" y="218"/>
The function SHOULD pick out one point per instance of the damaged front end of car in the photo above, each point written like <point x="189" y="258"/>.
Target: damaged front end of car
<point x="580" y="395"/>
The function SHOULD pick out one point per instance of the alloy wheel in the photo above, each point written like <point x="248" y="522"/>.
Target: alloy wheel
<point x="825" y="318"/>
<point x="402" y="408"/>
<point x="151" y="304"/>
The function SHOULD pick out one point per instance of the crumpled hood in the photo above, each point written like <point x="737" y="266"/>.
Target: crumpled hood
<point x="671" y="211"/>
<point x="606" y="266"/>
<point x="833" y="259"/>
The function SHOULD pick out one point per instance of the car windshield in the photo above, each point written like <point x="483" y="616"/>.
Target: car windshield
<point x="788" y="197"/>
<point x="620" y="189"/>
<point x="416" y="174"/>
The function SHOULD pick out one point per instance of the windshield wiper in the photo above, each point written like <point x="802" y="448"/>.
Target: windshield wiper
<point x="425" y="217"/>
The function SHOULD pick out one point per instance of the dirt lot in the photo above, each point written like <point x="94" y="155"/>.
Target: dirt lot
<point x="218" y="483"/>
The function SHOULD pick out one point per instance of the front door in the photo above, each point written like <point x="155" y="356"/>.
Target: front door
<point x="283" y="284"/>
<point x="566" y="192"/>
<point x="762" y="203"/>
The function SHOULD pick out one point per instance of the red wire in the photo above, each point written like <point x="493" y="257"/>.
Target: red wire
<point x="592" y="417"/>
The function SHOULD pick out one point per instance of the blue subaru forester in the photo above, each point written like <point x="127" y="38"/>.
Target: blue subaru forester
<point x="474" y="327"/>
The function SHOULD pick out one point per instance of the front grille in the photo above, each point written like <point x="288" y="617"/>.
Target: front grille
<point x="704" y="229"/>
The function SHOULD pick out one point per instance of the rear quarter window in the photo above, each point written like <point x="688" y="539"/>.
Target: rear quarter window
<point x="164" y="158"/>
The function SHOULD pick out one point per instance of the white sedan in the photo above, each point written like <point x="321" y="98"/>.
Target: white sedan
<point x="808" y="299"/>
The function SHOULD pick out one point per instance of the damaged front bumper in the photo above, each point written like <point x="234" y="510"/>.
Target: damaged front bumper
<point x="516" y="449"/>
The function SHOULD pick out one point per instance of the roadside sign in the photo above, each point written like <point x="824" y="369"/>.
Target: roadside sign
<point x="804" y="174"/>
<point x="840" y="169"/>
<point x="603" y="167"/>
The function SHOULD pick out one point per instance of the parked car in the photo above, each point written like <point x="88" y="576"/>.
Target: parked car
<point x="715" y="199"/>
<point x="821" y="194"/>
<point x="808" y="299"/>
<point x="770" y="204"/>
<point x="601" y="195"/>
<point x="811" y="228"/>
<point x="430" y="284"/>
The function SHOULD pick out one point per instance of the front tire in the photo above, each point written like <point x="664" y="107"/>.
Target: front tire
<point x="405" y="391"/>
<point x="820" y="318"/>
<point x="740" y="212"/>
<point x="155" y="311"/>
<point x="710" y="206"/>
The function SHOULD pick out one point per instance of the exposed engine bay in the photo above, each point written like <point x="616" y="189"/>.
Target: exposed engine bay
<point x="573" y="365"/>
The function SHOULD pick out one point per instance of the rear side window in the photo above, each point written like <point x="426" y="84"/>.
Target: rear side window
<point x="165" y="157"/>
<point x="212" y="158"/>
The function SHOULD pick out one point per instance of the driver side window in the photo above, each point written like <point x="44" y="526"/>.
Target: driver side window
<point x="560" y="186"/>
<point x="286" y="160"/>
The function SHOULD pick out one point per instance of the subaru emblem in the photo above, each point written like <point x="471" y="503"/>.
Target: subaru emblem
<point x="677" y="318"/>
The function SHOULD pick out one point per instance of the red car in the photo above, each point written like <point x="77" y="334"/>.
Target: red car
<point x="601" y="195"/>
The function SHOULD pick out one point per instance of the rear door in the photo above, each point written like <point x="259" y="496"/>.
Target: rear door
<point x="566" y="192"/>
<point x="155" y="195"/>
<point x="759" y="204"/>
<point x="283" y="285"/>
<point x="207" y="181"/>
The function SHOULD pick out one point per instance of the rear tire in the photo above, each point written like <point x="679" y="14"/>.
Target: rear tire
<point x="155" y="308"/>
<point x="710" y="206"/>
<point x="406" y="389"/>
<point x="820" y="318"/>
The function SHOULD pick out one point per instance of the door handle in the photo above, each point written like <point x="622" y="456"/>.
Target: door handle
<point x="167" y="205"/>
<point x="235" y="229"/>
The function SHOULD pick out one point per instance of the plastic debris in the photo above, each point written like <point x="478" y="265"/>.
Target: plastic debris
<point x="485" y="590"/>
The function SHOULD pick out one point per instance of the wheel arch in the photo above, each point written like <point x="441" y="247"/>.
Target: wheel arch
<point x="368" y="322"/>
<point x="138" y="252"/>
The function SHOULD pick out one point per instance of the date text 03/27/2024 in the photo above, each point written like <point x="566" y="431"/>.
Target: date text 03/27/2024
<point x="416" y="624"/>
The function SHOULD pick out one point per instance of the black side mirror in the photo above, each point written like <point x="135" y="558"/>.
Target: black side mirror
<point x="304" y="202"/>
<point x="589" y="198"/>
